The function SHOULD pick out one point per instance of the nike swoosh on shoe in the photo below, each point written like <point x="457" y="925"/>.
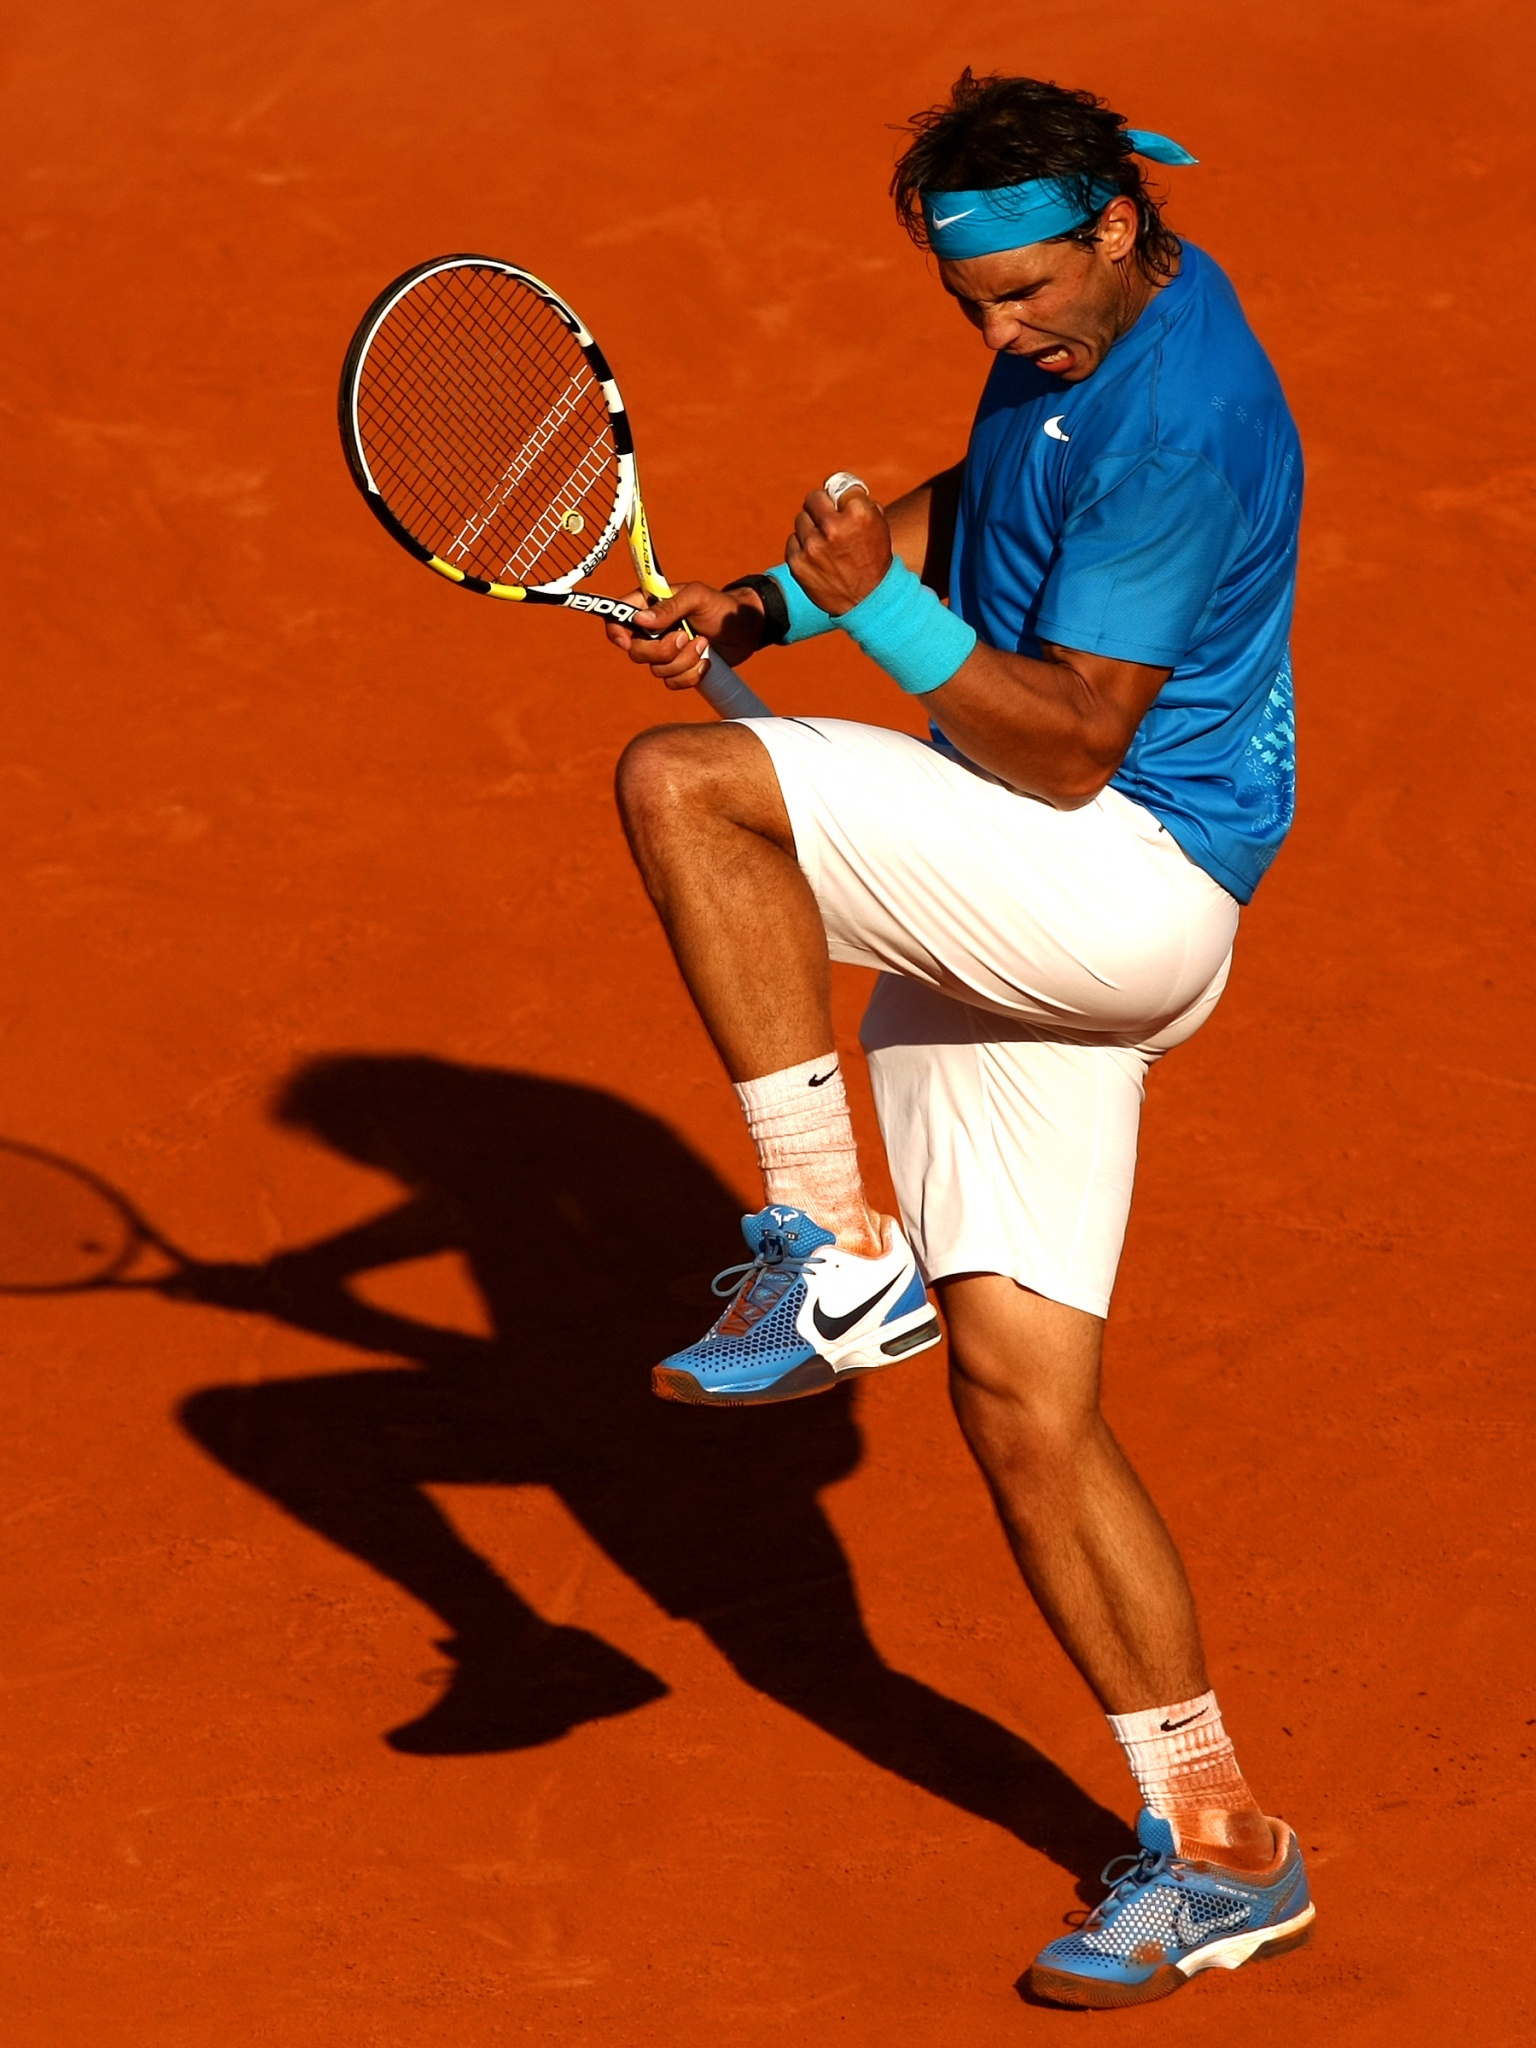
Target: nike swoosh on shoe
<point x="833" y="1327"/>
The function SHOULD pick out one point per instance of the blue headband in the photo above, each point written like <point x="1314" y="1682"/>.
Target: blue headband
<point x="962" y="224"/>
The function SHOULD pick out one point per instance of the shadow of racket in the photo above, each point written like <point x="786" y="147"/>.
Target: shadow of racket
<point x="65" y="1230"/>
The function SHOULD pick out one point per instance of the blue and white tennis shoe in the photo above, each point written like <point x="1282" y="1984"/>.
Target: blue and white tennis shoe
<point x="803" y="1315"/>
<point x="1169" y="1917"/>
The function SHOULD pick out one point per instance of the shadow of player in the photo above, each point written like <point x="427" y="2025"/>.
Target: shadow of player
<point x="591" y="1231"/>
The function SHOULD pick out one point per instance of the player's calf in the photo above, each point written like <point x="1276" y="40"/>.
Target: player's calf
<point x="712" y="840"/>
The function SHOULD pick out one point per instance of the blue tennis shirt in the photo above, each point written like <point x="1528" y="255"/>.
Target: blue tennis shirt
<point x="1150" y="513"/>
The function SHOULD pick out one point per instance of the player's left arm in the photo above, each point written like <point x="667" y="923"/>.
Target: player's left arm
<point x="1056" y="728"/>
<point x="922" y="523"/>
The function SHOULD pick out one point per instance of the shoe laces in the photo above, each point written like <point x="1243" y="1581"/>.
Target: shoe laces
<point x="775" y="1262"/>
<point x="1145" y="1866"/>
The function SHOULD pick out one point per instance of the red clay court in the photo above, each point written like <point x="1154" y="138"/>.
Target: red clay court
<point x="322" y="942"/>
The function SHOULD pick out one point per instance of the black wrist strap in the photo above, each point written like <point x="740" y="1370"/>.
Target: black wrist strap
<point x="771" y="597"/>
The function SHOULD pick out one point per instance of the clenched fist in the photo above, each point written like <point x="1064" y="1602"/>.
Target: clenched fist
<point x="839" y="551"/>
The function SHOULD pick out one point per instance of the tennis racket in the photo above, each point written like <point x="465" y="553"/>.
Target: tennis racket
<point x="482" y="424"/>
<point x="64" y="1230"/>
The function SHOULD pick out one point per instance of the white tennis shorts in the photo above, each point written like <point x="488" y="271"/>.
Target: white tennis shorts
<point x="1034" y="963"/>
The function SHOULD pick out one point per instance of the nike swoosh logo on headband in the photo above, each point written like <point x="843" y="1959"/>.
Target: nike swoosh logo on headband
<point x="950" y="219"/>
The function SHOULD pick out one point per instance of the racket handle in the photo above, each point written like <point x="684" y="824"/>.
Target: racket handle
<point x="720" y="686"/>
<point x="726" y="694"/>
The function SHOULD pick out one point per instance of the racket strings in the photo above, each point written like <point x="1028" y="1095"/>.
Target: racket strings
<point x="397" y="396"/>
<point x="589" y="472"/>
<point x="485" y="430"/>
<point x="484" y="543"/>
<point x="532" y="376"/>
<point x="535" y="445"/>
<point x="60" y="1228"/>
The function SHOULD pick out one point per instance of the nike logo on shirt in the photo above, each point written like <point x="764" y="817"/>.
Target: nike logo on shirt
<point x="836" y="1326"/>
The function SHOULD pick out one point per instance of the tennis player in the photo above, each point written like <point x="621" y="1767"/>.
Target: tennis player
<point x="1094" y="607"/>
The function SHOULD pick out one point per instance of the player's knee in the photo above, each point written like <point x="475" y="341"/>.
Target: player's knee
<point x="660" y="773"/>
<point x="674" y="774"/>
<point x="1021" y="1412"/>
<point x="1024" y="1368"/>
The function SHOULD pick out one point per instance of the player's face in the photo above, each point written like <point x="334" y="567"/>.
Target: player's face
<point x="1060" y="304"/>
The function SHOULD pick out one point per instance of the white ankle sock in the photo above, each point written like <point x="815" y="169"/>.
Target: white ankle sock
<point x="799" y="1123"/>
<point x="1183" y="1761"/>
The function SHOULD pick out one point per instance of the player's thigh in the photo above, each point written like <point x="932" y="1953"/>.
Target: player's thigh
<point x="1011" y="1152"/>
<point x="1091" y="922"/>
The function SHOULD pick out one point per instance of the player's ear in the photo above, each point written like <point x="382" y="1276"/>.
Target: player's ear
<point x="1116" y="231"/>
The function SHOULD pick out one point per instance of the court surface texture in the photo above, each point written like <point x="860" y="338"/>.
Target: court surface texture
<point x="317" y="916"/>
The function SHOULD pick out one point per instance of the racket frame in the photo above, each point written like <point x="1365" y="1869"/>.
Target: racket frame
<point x="628" y="509"/>
<point x="135" y="1234"/>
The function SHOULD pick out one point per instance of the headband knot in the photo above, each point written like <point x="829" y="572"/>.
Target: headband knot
<point x="962" y="224"/>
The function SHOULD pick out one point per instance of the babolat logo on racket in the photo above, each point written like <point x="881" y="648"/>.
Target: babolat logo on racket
<point x="609" y="607"/>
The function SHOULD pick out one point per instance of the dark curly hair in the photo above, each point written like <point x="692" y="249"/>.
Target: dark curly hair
<point x="1000" y="131"/>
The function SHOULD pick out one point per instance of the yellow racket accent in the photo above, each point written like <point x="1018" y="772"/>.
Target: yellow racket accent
<point x="652" y="582"/>
<point x="514" y="592"/>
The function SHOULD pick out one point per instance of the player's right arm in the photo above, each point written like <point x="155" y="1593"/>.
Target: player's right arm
<point x="731" y="620"/>
<point x="922" y="524"/>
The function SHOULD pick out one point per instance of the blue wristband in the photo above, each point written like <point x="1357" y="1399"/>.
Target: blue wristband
<point x="917" y="640"/>
<point x="806" y="620"/>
